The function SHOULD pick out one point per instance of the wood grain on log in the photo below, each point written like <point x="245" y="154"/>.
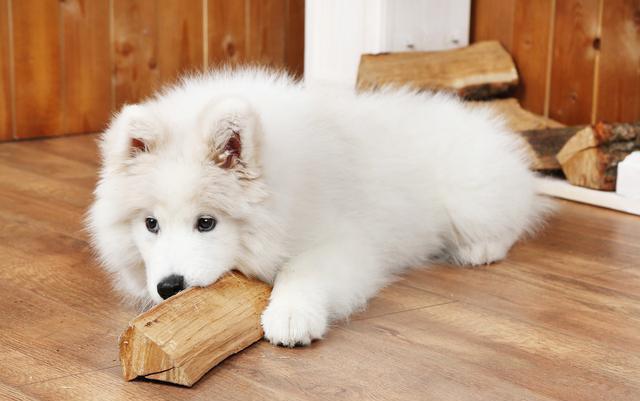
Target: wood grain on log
<point x="182" y="338"/>
<point x="590" y="158"/>
<point x="544" y="145"/>
<point x="517" y="118"/>
<point x="480" y="71"/>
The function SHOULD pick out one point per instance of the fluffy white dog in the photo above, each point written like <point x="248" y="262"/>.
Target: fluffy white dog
<point x="325" y="194"/>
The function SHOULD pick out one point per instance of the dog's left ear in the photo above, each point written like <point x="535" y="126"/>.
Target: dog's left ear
<point x="233" y="134"/>
<point x="229" y="154"/>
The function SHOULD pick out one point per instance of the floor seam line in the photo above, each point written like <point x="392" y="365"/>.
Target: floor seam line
<point x="63" y="376"/>
<point x="402" y="311"/>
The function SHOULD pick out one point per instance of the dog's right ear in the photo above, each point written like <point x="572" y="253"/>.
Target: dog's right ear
<point x="131" y="133"/>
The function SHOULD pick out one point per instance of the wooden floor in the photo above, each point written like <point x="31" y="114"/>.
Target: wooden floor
<point x="559" y="320"/>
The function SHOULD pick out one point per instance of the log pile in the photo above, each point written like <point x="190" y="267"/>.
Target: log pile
<point x="480" y="71"/>
<point x="588" y="155"/>
<point x="590" y="158"/>
<point x="181" y="339"/>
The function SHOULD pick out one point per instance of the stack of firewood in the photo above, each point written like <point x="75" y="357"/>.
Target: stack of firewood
<point x="485" y="73"/>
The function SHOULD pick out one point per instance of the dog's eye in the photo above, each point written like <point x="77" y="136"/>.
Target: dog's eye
<point x="152" y="225"/>
<point x="206" y="223"/>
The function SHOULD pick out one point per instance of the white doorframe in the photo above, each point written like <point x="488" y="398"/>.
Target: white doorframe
<point x="337" y="32"/>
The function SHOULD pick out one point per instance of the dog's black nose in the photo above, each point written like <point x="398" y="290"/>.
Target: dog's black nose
<point x="170" y="285"/>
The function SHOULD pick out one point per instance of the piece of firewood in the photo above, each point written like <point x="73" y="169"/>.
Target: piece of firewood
<point x="517" y="118"/>
<point x="480" y="71"/>
<point x="590" y="158"/>
<point x="544" y="145"/>
<point x="182" y="338"/>
<point x="545" y="137"/>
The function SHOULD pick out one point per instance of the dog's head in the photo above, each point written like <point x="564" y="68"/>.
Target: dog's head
<point x="173" y="194"/>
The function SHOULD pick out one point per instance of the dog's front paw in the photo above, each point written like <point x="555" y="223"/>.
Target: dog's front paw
<point x="293" y="321"/>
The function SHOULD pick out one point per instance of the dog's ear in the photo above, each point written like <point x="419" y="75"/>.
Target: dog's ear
<point x="232" y="132"/>
<point x="138" y="145"/>
<point x="131" y="133"/>
<point x="140" y="129"/>
<point x="230" y="154"/>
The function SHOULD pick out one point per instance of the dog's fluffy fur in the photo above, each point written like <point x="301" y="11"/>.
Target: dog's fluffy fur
<point x="330" y="196"/>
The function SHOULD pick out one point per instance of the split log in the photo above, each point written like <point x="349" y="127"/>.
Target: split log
<point x="480" y="71"/>
<point x="545" y="137"/>
<point x="544" y="145"/>
<point x="182" y="338"/>
<point x="590" y="158"/>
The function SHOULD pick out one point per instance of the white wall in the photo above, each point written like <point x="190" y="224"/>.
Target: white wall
<point x="337" y="32"/>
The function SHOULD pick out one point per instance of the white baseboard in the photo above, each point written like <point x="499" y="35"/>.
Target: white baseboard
<point x="562" y="189"/>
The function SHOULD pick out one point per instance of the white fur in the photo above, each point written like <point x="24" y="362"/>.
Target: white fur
<point x="335" y="193"/>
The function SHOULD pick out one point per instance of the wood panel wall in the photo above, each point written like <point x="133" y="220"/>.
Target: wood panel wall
<point x="579" y="60"/>
<point x="66" y="65"/>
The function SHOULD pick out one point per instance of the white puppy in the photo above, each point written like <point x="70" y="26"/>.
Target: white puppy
<point x="325" y="194"/>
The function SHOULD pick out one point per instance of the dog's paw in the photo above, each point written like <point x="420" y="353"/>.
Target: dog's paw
<point x="481" y="253"/>
<point x="292" y="322"/>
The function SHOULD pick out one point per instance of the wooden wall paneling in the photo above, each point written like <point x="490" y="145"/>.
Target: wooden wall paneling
<point x="153" y="43"/>
<point x="523" y="27"/>
<point x="530" y="51"/>
<point x="86" y="66"/>
<point x="37" y="61"/>
<point x="226" y="31"/>
<point x="75" y="60"/>
<point x="573" y="64"/>
<point x="619" y="78"/>
<point x="493" y="20"/>
<point x="266" y="31"/>
<point x="294" y="37"/>
<point x="180" y="38"/>
<point x="6" y="119"/>
<point x="135" y="54"/>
